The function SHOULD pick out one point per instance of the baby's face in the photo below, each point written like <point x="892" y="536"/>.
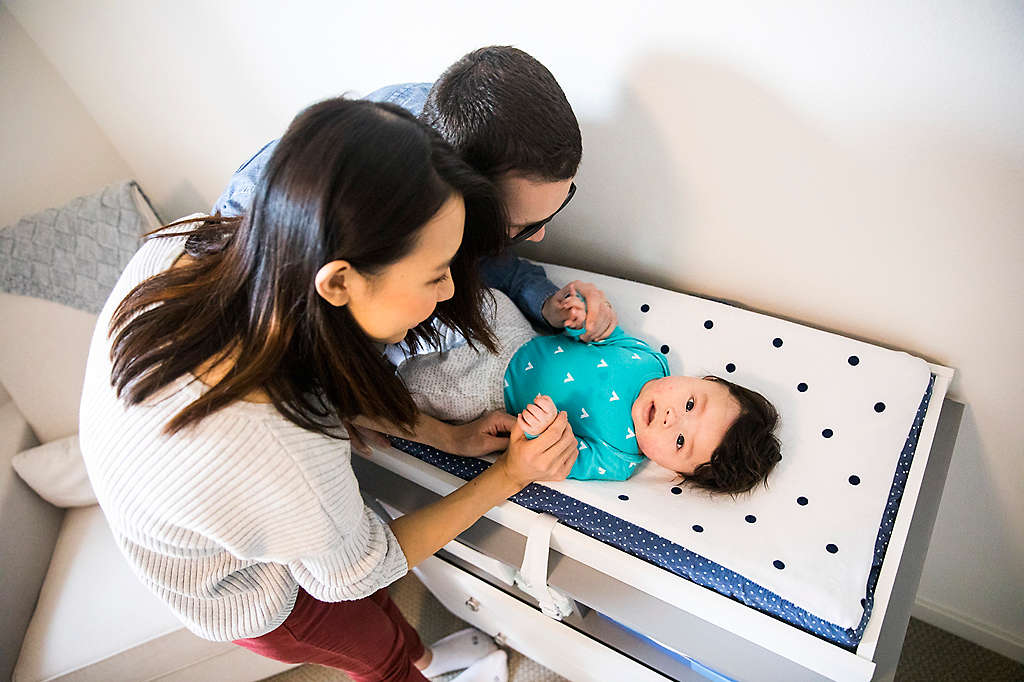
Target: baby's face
<point x="679" y="421"/>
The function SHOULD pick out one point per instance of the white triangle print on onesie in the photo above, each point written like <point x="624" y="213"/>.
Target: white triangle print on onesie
<point x="558" y="349"/>
<point x="583" y="413"/>
<point x="629" y="433"/>
<point x="528" y="367"/>
<point x="602" y="470"/>
<point x="568" y="378"/>
<point x="602" y="363"/>
<point x="583" y="446"/>
<point x="635" y="356"/>
<point x="615" y="396"/>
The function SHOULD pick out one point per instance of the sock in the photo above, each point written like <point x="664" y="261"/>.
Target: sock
<point x="490" y="668"/>
<point x="457" y="651"/>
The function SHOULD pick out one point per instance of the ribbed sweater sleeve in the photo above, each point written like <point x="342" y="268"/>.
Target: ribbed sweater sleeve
<point x="226" y="519"/>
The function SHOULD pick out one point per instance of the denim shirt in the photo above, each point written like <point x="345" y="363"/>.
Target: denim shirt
<point x="522" y="281"/>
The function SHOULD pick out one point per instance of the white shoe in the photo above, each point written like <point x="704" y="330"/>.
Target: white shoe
<point x="491" y="668"/>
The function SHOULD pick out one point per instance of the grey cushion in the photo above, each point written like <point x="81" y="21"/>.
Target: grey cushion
<point x="73" y="254"/>
<point x="50" y="294"/>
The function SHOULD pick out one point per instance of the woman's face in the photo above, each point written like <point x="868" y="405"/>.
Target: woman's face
<point x="387" y="305"/>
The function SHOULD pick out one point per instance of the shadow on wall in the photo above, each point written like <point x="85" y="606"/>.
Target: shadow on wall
<point x="184" y="199"/>
<point x="702" y="180"/>
<point x="902" y="233"/>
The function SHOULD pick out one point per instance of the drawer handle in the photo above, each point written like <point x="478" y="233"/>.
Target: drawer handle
<point x="500" y="639"/>
<point x="473" y="604"/>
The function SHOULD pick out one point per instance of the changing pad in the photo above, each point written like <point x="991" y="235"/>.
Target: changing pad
<point x="847" y="408"/>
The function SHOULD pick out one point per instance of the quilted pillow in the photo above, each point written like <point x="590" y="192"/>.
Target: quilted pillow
<point x="57" y="268"/>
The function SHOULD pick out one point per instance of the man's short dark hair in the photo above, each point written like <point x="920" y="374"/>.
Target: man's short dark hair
<point x="502" y="110"/>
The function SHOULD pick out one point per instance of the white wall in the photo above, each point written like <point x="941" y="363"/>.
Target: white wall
<point x="52" y="148"/>
<point x="857" y="166"/>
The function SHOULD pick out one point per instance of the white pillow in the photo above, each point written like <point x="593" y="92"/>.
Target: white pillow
<point x="56" y="471"/>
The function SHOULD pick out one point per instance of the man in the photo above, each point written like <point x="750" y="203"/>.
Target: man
<point x="506" y="115"/>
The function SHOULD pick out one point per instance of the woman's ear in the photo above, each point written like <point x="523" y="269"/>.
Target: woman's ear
<point x="332" y="282"/>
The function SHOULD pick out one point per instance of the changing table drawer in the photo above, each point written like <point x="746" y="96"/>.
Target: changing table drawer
<point x="549" y="642"/>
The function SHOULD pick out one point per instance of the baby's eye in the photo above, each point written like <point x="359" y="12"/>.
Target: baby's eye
<point x="680" y="441"/>
<point x="689" y="404"/>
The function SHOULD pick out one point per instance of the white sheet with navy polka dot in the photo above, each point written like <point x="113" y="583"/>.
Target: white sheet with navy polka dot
<point x="646" y="545"/>
<point x="803" y="548"/>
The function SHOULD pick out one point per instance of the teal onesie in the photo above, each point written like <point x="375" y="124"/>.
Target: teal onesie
<point x="596" y="384"/>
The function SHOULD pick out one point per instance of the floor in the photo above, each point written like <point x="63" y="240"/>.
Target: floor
<point x="929" y="654"/>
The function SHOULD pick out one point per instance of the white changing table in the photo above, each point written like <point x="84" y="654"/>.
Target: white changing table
<point x="637" y="621"/>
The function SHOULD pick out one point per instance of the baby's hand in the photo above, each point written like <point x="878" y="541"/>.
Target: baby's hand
<point x="565" y="308"/>
<point x="537" y="416"/>
<point x="574" y="307"/>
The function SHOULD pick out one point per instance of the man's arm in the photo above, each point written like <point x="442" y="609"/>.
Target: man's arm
<point x="237" y="198"/>
<point x="524" y="282"/>
<point x="485" y="434"/>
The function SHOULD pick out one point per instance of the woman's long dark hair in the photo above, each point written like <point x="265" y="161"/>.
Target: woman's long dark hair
<point x="349" y="180"/>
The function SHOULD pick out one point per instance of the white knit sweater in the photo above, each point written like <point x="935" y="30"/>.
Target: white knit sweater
<point x="227" y="518"/>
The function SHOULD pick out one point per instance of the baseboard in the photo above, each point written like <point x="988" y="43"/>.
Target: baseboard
<point x="998" y="640"/>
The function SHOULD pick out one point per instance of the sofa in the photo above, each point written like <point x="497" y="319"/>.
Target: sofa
<point x="73" y="609"/>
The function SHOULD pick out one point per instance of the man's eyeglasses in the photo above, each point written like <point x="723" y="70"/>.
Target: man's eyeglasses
<point x="534" y="228"/>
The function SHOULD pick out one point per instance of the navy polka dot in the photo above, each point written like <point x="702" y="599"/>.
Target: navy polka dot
<point x="730" y="368"/>
<point x="802" y="501"/>
<point x="623" y="497"/>
<point x="854" y="480"/>
<point x="708" y="324"/>
<point x="827" y="433"/>
<point x="853" y="360"/>
<point x="664" y="350"/>
<point x="644" y="308"/>
<point x="676" y="490"/>
<point x="831" y="549"/>
<point x="879" y="407"/>
<point x="750" y="518"/>
<point x="777" y="342"/>
<point x="802" y="387"/>
<point x="778" y="564"/>
<point x="698" y="528"/>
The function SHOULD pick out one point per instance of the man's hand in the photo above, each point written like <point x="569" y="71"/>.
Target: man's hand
<point x="362" y="440"/>
<point x="564" y="309"/>
<point x="481" y="436"/>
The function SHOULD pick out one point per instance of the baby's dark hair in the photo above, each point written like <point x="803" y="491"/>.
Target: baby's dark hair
<point x="748" y="451"/>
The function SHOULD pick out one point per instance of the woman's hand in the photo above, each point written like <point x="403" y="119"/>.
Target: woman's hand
<point x="481" y="436"/>
<point x="564" y="309"/>
<point x="548" y="457"/>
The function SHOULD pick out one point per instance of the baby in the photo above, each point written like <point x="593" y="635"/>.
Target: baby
<point x="621" y="402"/>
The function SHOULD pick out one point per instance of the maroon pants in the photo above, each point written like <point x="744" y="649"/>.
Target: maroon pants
<point x="367" y="638"/>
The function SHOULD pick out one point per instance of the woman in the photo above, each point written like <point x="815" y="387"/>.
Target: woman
<point x="227" y="358"/>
